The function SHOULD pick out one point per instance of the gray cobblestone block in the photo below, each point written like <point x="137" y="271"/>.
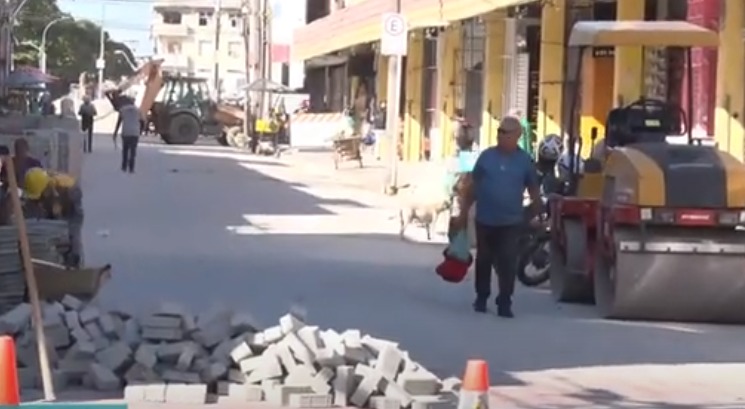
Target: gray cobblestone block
<point x="161" y="321"/>
<point x="171" y="375"/>
<point x="89" y="314"/>
<point x="243" y="323"/>
<point x="141" y="373"/>
<point x="114" y="357"/>
<point x="16" y="319"/>
<point x="103" y="378"/>
<point x="72" y="303"/>
<point x="146" y="355"/>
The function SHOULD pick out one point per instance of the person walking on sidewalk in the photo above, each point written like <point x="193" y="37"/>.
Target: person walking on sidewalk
<point x="87" y="113"/>
<point x="130" y="123"/>
<point x="500" y="176"/>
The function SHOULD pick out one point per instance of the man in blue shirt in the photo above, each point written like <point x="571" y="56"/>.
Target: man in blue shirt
<point x="500" y="177"/>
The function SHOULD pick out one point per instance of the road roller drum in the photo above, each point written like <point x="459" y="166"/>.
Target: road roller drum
<point x="673" y="274"/>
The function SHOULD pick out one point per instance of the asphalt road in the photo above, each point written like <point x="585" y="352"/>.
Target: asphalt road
<point x="207" y="226"/>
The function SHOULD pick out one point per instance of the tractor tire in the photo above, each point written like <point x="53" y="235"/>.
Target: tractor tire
<point x="222" y="139"/>
<point x="184" y="129"/>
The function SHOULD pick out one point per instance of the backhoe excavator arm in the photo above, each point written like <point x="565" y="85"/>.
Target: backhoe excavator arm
<point x="151" y="75"/>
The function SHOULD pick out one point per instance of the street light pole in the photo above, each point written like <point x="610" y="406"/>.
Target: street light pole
<point x="43" y="47"/>
<point x="101" y="52"/>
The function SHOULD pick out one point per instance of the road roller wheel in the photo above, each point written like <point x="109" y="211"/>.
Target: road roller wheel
<point x="569" y="280"/>
<point x="604" y="282"/>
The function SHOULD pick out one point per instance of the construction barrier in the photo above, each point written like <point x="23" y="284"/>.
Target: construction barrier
<point x="10" y="394"/>
<point x="474" y="391"/>
<point x="316" y="131"/>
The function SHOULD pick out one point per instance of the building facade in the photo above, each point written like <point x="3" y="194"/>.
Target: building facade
<point x="184" y="34"/>
<point x="485" y="58"/>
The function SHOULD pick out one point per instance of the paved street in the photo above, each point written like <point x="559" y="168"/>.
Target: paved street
<point x="206" y="226"/>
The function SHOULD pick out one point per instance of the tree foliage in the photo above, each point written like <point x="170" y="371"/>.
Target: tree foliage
<point x="72" y="46"/>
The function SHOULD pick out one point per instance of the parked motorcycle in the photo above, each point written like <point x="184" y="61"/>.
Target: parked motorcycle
<point x="533" y="261"/>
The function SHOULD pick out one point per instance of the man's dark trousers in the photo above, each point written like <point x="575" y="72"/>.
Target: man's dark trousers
<point x="497" y="247"/>
<point x="129" y="152"/>
<point x="87" y="125"/>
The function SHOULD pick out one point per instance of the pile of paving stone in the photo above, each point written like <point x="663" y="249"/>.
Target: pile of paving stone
<point x="170" y="355"/>
<point x="44" y="236"/>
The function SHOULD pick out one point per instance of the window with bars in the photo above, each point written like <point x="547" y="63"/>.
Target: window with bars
<point x="470" y="84"/>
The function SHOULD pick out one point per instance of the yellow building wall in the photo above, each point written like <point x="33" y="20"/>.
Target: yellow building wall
<point x="628" y="81"/>
<point x="597" y="98"/>
<point x="447" y="84"/>
<point x="412" y="125"/>
<point x="729" y="131"/>
<point x="551" y="68"/>
<point x="381" y="78"/>
<point x="493" y="77"/>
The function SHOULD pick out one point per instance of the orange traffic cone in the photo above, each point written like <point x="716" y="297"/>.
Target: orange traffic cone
<point x="474" y="391"/>
<point x="9" y="391"/>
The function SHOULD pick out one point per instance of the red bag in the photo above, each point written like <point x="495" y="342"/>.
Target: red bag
<point x="452" y="269"/>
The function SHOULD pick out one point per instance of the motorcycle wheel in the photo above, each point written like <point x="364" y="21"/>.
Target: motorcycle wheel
<point x="528" y="273"/>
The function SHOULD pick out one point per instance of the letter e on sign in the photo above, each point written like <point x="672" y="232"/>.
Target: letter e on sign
<point x="395" y="34"/>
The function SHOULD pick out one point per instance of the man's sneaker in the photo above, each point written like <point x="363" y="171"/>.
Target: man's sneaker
<point x="505" y="312"/>
<point x="480" y="305"/>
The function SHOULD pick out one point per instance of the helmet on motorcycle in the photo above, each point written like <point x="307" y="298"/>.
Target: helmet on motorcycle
<point x="550" y="148"/>
<point x="564" y="165"/>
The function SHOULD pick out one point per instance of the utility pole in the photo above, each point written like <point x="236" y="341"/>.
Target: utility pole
<point x="255" y="48"/>
<point x="247" y="10"/>
<point x="216" y="78"/>
<point x="101" y="62"/>
<point x="392" y="126"/>
<point x="264" y="56"/>
<point x="266" y="29"/>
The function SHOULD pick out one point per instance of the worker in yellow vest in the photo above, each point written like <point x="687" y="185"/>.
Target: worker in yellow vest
<point x="50" y="195"/>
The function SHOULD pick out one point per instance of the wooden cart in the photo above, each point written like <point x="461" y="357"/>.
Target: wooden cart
<point x="347" y="149"/>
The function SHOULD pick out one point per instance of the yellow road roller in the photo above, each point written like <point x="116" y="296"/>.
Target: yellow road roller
<point x="649" y="229"/>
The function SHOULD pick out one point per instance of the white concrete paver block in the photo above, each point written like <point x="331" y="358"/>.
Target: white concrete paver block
<point x="192" y="394"/>
<point x="389" y="361"/>
<point x="280" y="395"/>
<point x="241" y="352"/>
<point x="343" y="385"/>
<point x="419" y="383"/>
<point x="289" y="323"/>
<point x="310" y="400"/>
<point x="384" y="402"/>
